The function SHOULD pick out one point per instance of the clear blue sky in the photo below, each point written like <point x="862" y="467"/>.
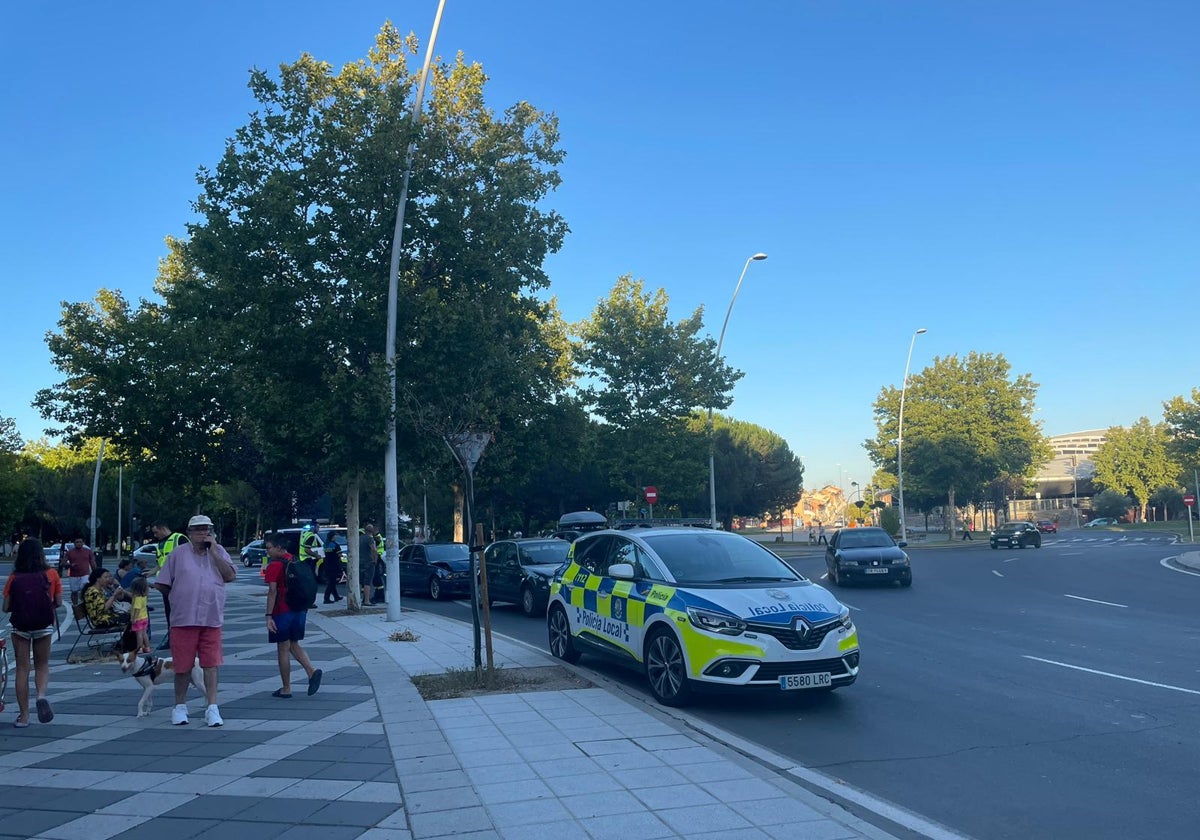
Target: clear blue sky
<point x="1018" y="177"/>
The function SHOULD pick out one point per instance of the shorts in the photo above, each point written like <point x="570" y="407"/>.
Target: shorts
<point x="141" y="625"/>
<point x="77" y="584"/>
<point x="366" y="573"/>
<point x="189" y="642"/>
<point x="289" y="627"/>
<point x="33" y="634"/>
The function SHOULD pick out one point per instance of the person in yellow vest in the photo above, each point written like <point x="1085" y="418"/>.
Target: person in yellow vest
<point x="167" y="540"/>
<point x="310" y="551"/>
<point x="378" y="579"/>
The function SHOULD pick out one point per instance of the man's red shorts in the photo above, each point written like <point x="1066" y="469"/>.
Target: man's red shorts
<point x="188" y="642"/>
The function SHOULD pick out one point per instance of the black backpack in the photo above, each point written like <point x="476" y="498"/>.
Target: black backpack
<point x="32" y="606"/>
<point x="301" y="585"/>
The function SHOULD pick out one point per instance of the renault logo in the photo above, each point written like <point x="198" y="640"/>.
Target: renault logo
<point x="801" y="626"/>
<point x="778" y="594"/>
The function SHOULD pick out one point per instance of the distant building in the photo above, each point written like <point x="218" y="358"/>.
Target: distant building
<point x="1071" y="469"/>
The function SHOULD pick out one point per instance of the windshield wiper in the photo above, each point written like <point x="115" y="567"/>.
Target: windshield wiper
<point x="753" y="579"/>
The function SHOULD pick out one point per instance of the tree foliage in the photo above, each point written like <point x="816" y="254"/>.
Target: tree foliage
<point x="1182" y="419"/>
<point x="756" y="470"/>
<point x="967" y="423"/>
<point x="1111" y="503"/>
<point x="1135" y="461"/>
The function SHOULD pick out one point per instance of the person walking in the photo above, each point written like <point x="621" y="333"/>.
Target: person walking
<point x="379" y="573"/>
<point x="332" y="567"/>
<point x="168" y="541"/>
<point x="821" y="534"/>
<point x="966" y="535"/>
<point x="80" y="562"/>
<point x="287" y="612"/>
<point x="366" y="564"/>
<point x="194" y="579"/>
<point x="32" y="595"/>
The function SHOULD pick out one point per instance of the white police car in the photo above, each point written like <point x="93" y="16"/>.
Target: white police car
<point x="697" y="608"/>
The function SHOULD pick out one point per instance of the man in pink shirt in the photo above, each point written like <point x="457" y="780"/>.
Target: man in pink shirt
<point x="193" y="578"/>
<point x="80" y="561"/>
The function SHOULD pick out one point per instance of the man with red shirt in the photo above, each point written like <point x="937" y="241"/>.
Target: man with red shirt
<point x="285" y="627"/>
<point x="80" y="561"/>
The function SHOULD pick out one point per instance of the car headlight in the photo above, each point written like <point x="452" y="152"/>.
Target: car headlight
<point x="844" y="619"/>
<point x="716" y="622"/>
<point x="901" y="560"/>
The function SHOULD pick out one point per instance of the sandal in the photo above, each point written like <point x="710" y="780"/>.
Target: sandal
<point x="279" y="692"/>
<point x="45" y="713"/>
<point x="21" y="724"/>
<point x="314" y="682"/>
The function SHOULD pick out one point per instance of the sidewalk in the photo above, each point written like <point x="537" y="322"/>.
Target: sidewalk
<point x="367" y="757"/>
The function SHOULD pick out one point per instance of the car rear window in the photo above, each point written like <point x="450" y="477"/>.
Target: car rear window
<point x="708" y="557"/>
<point x="544" y="553"/>
<point x="446" y="552"/>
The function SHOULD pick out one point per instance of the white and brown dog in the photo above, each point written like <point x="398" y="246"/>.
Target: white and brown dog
<point x="159" y="670"/>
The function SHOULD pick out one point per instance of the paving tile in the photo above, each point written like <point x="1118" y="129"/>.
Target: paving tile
<point x="780" y="811"/>
<point x="587" y="783"/>
<point x="553" y="830"/>
<point x="434" y="781"/>
<point x="430" y="764"/>
<point x="513" y="791"/>
<point x="447" y="799"/>
<point x="318" y="832"/>
<point x="317" y="789"/>
<point x="363" y="814"/>
<point x="373" y="792"/>
<point x="688" y="821"/>
<point x="640" y="824"/>
<point x="279" y="810"/>
<point x="713" y="772"/>
<point x="385" y="834"/>
<point x="92" y="826"/>
<point x="167" y="827"/>
<point x="508" y="814"/>
<point x="513" y="772"/>
<point x="591" y="805"/>
<point x="440" y="823"/>
<point x="241" y="830"/>
<point x="674" y="796"/>
<point x="816" y="830"/>
<point x="212" y="806"/>
<point x="147" y="804"/>
<point x="741" y="790"/>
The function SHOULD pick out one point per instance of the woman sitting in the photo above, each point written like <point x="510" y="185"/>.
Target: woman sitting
<point x="101" y="611"/>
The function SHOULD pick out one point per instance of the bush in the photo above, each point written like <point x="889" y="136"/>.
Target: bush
<point x="889" y="520"/>
<point x="1112" y="504"/>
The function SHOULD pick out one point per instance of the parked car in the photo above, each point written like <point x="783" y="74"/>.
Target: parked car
<point x="695" y="608"/>
<point x="1047" y="526"/>
<point x="437" y="569"/>
<point x="1016" y="535"/>
<point x="519" y="571"/>
<point x="253" y="553"/>
<point x="865" y="555"/>
<point x="572" y="525"/>
<point x="1102" y="522"/>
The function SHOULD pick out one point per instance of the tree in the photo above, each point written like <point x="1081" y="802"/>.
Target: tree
<point x="966" y="423"/>
<point x="14" y="477"/>
<point x="1171" y="502"/>
<point x="1135" y="461"/>
<point x="1111" y="503"/>
<point x="646" y="375"/>
<point x="756" y="470"/>
<point x="1182" y="419"/>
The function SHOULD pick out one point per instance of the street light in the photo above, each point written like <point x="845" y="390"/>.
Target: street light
<point x="900" y="436"/>
<point x="712" y="473"/>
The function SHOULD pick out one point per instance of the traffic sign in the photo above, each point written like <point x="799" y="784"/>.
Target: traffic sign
<point x="1189" y="500"/>
<point x="651" y="494"/>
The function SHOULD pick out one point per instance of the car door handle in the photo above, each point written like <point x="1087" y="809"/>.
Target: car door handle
<point x="603" y="594"/>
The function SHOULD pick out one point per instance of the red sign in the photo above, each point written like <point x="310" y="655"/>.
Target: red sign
<point x="1189" y="500"/>
<point x="651" y="494"/>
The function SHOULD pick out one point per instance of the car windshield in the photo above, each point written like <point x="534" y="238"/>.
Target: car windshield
<point x="441" y="553"/>
<point x="708" y="557"/>
<point x="550" y="552"/>
<point x="1009" y="528"/>
<point x="864" y="539"/>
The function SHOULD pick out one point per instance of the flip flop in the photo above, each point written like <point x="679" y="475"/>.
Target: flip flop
<point x="279" y="692"/>
<point x="21" y="724"/>
<point x="45" y="713"/>
<point x="314" y="682"/>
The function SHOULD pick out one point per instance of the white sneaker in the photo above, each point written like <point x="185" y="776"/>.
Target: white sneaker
<point x="179" y="714"/>
<point x="212" y="716"/>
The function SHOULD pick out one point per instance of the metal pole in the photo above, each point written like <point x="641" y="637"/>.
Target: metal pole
<point x="390" y="479"/>
<point x="120" y="510"/>
<point x="95" y="493"/>
<point x="712" y="473"/>
<point x="900" y="436"/>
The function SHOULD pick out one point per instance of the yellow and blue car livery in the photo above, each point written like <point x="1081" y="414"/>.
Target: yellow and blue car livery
<point x="775" y="630"/>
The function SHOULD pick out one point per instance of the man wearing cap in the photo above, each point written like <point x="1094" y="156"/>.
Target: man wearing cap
<point x="194" y="579"/>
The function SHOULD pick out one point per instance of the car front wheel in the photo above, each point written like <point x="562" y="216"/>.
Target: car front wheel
<point x="528" y="602"/>
<point x="561" y="643"/>
<point x="435" y="588"/>
<point x="833" y="576"/>
<point x="666" y="669"/>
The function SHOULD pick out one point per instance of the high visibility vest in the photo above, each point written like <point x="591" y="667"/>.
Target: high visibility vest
<point x="380" y="544"/>
<point x="308" y="546"/>
<point x="167" y="546"/>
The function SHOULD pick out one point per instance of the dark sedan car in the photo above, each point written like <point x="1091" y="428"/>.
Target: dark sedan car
<point x="252" y="554"/>
<point x="437" y="569"/>
<point x="519" y="571"/>
<point x="1017" y="535"/>
<point x="866" y="554"/>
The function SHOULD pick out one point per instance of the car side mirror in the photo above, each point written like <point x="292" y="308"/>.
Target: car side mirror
<point x="624" y="571"/>
<point x="902" y="544"/>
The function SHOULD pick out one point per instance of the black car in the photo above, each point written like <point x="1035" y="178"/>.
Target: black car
<point x="1017" y="535"/>
<point x="866" y="554"/>
<point x="252" y="554"/>
<point x="519" y="571"/>
<point x="437" y="569"/>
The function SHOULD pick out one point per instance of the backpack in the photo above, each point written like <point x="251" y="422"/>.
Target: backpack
<point x="301" y="585"/>
<point x="32" y="606"/>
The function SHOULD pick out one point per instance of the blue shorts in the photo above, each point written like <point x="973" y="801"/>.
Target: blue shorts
<point x="289" y="627"/>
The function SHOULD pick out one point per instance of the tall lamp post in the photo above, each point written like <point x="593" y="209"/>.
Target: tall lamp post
<point x="900" y="436"/>
<point x="712" y="473"/>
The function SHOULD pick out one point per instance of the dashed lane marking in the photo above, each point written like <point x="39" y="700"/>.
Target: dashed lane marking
<point x="1094" y="601"/>
<point x="1113" y="676"/>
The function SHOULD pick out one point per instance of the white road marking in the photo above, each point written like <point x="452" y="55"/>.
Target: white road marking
<point x="1166" y="563"/>
<point x="1114" y="676"/>
<point x="1094" y="601"/>
<point x="997" y="574"/>
<point x="1010" y="559"/>
<point x="1071" y="553"/>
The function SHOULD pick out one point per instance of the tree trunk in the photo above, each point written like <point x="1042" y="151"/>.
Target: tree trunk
<point x="458" y="513"/>
<point x="353" y="588"/>
<point x="953" y="510"/>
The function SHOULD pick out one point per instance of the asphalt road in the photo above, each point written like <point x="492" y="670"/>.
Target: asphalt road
<point x="1044" y="693"/>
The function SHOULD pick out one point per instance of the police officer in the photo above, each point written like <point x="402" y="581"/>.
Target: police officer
<point x="378" y="580"/>
<point x="310" y="551"/>
<point x="167" y="540"/>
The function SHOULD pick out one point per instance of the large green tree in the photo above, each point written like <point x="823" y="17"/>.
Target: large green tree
<point x="1182" y="419"/>
<point x="756" y="470"/>
<point x="967" y="422"/>
<point x="1135" y="461"/>
<point x="643" y="375"/>
<point x="14" y="477"/>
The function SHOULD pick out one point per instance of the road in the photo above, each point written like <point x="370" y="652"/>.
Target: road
<point x="1048" y="693"/>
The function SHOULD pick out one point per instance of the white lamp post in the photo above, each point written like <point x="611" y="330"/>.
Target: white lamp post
<point x="712" y="473"/>
<point x="900" y="436"/>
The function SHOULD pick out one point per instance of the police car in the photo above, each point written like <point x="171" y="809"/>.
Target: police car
<point x="698" y="608"/>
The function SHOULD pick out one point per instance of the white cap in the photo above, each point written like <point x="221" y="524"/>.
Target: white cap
<point x="197" y="521"/>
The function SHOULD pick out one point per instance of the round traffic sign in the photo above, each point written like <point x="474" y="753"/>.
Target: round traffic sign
<point x="1189" y="500"/>
<point x="651" y="494"/>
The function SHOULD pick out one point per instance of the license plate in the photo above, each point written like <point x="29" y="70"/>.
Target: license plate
<point x="875" y="571"/>
<point x="793" y="681"/>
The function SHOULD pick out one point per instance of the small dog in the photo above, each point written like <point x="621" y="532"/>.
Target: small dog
<point x="148" y="677"/>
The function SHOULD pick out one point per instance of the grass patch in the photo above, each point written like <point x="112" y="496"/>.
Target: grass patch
<point x="465" y="682"/>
